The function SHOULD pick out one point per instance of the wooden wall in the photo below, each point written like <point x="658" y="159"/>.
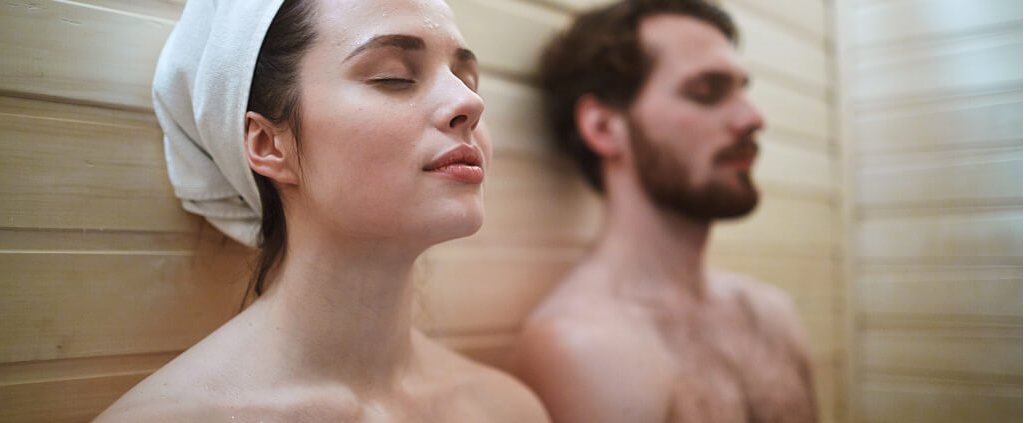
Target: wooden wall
<point x="105" y="278"/>
<point x="934" y="128"/>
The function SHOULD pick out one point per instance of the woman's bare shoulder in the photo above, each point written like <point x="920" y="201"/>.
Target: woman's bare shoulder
<point x="192" y="387"/>
<point x="159" y="400"/>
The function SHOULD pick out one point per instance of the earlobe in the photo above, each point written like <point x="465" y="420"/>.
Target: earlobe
<point x="267" y="149"/>
<point x="602" y="127"/>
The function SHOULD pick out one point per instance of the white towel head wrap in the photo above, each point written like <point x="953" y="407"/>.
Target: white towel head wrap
<point x="201" y="89"/>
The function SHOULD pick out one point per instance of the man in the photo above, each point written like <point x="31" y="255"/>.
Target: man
<point x="650" y="98"/>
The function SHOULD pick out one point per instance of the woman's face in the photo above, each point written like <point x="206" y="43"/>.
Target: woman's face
<point x="392" y="146"/>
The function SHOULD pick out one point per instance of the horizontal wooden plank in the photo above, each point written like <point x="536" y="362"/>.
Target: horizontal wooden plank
<point x="169" y="10"/>
<point x="507" y="35"/>
<point x="515" y="117"/>
<point x="807" y="16"/>
<point x="950" y="178"/>
<point x="945" y="291"/>
<point x="73" y="113"/>
<point x="986" y="237"/>
<point x="65" y="305"/>
<point x="983" y="119"/>
<point x="979" y="358"/>
<point x="471" y="289"/>
<point x="926" y="69"/>
<point x="900" y="402"/>
<point x="782" y="226"/>
<point x="52" y="51"/>
<point x="81" y="368"/>
<point x="768" y="45"/>
<point x="61" y="173"/>
<point x="787" y="110"/>
<point x="77" y="240"/>
<point x="492" y="348"/>
<point x="882" y="22"/>
<point x="63" y="401"/>
<point x="537" y="200"/>
<point x="788" y="168"/>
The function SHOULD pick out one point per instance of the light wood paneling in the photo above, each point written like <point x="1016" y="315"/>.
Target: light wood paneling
<point x="788" y="168"/>
<point x="880" y="22"/>
<point x="965" y="177"/>
<point x="936" y="100"/>
<point x="769" y="45"/>
<point x="782" y="226"/>
<point x="958" y="64"/>
<point x="50" y="50"/>
<point x="63" y="173"/>
<point x="170" y="10"/>
<point x="63" y="401"/>
<point x="788" y="110"/>
<point x="806" y="16"/>
<point x="988" y="237"/>
<point x="476" y="290"/>
<point x="945" y="356"/>
<point x="61" y="305"/>
<point x="941" y="290"/>
<point x="982" y="120"/>
<point x="507" y="34"/>
<point x="893" y="401"/>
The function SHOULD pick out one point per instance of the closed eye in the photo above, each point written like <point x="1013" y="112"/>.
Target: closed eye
<point x="394" y="83"/>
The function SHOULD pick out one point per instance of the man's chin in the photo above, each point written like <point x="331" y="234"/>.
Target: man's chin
<point x="714" y="204"/>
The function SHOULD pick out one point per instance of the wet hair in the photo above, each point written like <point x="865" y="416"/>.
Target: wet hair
<point x="275" y="94"/>
<point x="601" y="54"/>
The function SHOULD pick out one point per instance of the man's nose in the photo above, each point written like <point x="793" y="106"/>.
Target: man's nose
<point x="747" y="118"/>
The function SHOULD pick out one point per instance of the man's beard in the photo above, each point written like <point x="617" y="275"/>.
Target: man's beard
<point x="667" y="184"/>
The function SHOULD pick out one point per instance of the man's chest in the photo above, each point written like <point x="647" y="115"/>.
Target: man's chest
<point x="736" y="373"/>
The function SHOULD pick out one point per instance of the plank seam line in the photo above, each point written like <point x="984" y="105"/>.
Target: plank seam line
<point x="118" y="12"/>
<point x="805" y="35"/>
<point x="76" y="121"/>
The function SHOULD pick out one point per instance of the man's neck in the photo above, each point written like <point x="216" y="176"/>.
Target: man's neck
<point x="656" y="251"/>
<point x="342" y="312"/>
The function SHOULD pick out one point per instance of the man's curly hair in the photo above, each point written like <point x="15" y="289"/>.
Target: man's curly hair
<point x="601" y="54"/>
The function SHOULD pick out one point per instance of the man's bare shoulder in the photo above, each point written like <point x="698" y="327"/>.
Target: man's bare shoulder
<point x="588" y="354"/>
<point x="773" y="306"/>
<point x="498" y="393"/>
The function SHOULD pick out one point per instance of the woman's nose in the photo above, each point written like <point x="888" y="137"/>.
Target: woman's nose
<point x="462" y="107"/>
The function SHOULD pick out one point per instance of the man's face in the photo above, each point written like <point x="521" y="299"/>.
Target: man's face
<point x="692" y="125"/>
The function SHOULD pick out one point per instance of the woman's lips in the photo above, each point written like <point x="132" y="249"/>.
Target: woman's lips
<point x="462" y="163"/>
<point x="461" y="172"/>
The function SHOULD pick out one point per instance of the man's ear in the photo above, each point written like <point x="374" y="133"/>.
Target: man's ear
<point x="603" y="128"/>
<point x="270" y="151"/>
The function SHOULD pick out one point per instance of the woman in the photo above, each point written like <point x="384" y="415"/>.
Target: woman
<point x="362" y="128"/>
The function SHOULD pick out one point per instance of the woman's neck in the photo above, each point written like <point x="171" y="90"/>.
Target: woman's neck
<point x="342" y="312"/>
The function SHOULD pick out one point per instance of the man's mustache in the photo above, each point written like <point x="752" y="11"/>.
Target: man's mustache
<point x="746" y="147"/>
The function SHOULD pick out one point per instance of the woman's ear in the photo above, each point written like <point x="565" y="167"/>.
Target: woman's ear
<point x="269" y="150"/>
<point x="602" y="127"/>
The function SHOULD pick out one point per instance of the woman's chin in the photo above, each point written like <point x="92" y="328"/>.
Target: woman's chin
<point x="455" y="225"/>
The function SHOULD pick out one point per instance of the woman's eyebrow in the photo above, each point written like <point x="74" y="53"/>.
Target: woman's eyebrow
<point x="404" y="42"/>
